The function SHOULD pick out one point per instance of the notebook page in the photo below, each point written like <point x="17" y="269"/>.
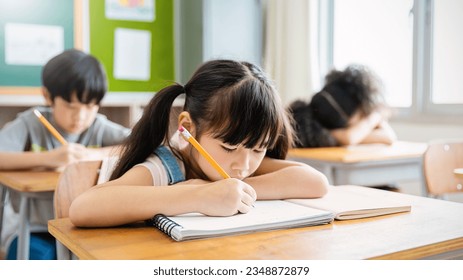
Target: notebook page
<point x="352" y="198"/>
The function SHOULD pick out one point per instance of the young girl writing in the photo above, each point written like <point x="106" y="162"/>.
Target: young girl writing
<point x="235" y="113"/>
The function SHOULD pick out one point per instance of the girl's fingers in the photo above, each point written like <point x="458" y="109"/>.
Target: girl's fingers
<point x="250" y="191"/>
<point x="244" y="208"/>
<point x="247" y="203"/>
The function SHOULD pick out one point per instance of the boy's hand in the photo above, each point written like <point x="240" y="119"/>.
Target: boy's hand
<point x="68" y="154"/>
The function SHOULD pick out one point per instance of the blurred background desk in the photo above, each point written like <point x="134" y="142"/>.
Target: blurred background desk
<point x="366" y="164"/>
<point x="458" y="173"/>
<point x="30" y="185"/>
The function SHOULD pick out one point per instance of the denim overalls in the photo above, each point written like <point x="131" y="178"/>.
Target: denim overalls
<point x="170" y="164"/>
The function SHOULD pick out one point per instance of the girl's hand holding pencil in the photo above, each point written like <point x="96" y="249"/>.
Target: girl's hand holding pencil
<point x="226" y="197"/>
<point x="223" y="197"/>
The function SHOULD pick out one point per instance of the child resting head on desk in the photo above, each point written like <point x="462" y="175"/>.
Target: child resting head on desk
<point x="235" y="113"/>
<point x="74" y="83"/>
<point x="349" y="110"/>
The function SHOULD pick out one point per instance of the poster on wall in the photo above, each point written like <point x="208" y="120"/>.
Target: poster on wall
<point x="132" y="54"/>
<point x="136" y="10"/>
<point x="32" y="44"/>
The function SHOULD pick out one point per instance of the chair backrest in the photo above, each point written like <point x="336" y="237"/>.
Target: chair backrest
<point x="439" y="162"/>
<point x="74" y="180"/>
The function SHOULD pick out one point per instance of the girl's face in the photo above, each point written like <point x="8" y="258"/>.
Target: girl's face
<point x="239" y="162"/>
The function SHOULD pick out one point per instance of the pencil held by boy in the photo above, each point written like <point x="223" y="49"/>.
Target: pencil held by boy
<point x="68" y="129"/>
<point x="234" y="113"/>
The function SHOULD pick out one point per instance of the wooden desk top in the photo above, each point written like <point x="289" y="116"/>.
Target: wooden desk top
<point x="432" y="227"/>
<point x="458" y="173"/>
<point x="363" y="152"/>
<point x="30" y="181"/>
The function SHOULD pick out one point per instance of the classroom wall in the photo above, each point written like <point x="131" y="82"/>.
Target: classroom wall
<point x="210" y="29"/>
<point x="127" y="95"/>
<point x="425" y="132"/>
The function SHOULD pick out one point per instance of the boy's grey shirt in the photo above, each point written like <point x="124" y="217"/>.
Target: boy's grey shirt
<point x="27" y="133"/>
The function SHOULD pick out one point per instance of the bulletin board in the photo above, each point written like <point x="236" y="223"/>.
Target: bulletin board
<point x="136" y="51"/>
<point x="23" y="50"/>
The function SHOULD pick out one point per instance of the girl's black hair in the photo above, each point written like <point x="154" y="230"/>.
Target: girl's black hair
<point x="345" y="92"/>
<point x="74" y="71"/>
<point x="231" y="100"/>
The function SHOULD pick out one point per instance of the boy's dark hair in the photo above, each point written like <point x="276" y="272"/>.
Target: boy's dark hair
<point x="74" y="71"/>
<point x="346" y="92"/>
<point x="231" y="100"/>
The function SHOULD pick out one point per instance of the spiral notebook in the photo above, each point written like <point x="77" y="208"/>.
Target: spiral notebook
<point x="267" y="215"/>
<point x="340" y="203"/>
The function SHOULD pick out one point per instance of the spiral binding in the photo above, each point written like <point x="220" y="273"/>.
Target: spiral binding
<point x="163" y="223"/>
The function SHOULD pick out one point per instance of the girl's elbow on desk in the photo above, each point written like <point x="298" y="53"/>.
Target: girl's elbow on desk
<point x="315" y="184"/>
<point x="84" y="211"/>
<point x="76" y="214"/>
<point x="320" y="185"/>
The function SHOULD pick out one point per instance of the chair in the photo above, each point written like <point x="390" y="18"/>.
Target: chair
<point x="86" y="173"/>
<point x="439" y="162"/>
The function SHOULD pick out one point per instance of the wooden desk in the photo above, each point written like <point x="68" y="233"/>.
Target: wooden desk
<point x="366" y="165"/>
<point x="30" y="185"/>
<point x="458" y="173"/>
<point x="433" y="229"/>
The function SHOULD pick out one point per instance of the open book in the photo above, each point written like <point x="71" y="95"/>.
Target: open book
<point x="355" y="202"/>
<point x="341" y="203"/>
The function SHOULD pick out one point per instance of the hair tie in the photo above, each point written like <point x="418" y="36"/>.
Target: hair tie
<point x="183" y="88"/>
<point x="334" y="104"/>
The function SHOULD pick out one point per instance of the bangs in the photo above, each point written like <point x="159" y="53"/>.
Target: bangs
<point x="241" y="115"/>
<point x="90" y="81"/>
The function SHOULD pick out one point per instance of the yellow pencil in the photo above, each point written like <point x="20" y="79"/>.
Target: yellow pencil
<point x="50" y="128"/>
<point x="188" y="137"/>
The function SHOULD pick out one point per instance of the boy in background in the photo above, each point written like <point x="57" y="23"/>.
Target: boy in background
<point x="74" y="83"/>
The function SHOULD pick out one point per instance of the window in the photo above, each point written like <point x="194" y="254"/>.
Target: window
<point x="378" y="34"/>
<point x="447" y="62"/>
<point x="413" y="46"/>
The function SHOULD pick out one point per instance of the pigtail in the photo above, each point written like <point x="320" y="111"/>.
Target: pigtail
<point x="150" y="132"/>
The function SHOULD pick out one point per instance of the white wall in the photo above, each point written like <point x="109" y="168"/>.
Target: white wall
<point x="422" y="132"/>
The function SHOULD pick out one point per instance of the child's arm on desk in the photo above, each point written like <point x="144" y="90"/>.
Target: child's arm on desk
<point x="383" y="134"/>
<point x="100" y="205"/>
<point x="281" y="179"/>
<point x="373" y="128"/>
<point x="53" y="159"/>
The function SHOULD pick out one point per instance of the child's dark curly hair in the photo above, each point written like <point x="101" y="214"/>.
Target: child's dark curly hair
<point x="360" y="83"/>
<point x="356" y="89"/>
